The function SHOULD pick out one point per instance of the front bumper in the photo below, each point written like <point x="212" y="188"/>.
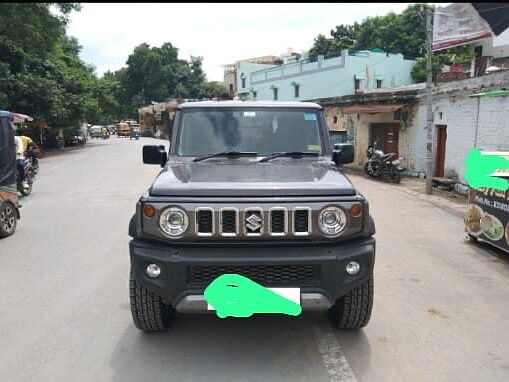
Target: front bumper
<point x="319" y="271"/>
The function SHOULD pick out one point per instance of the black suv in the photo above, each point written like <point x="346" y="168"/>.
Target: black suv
<point x="254" y="189"/>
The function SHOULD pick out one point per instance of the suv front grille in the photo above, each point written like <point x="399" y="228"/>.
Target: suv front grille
<point x="204" y="222"/>
<point x="266" y="275"/>
<point x="253" y="221"/>
<point x="278" y="222"/>
<point x="229" y="222"/>
<point x="301" y="221"/>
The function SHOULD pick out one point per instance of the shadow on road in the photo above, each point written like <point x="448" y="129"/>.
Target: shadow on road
<point x="262" y="348"/>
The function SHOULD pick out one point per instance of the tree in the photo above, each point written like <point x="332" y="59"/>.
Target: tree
<point x="213" y="89"/>
<point x="404" y="33"/>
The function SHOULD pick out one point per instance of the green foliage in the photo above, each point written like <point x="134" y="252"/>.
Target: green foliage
<point x="453" y="56"/>
<point x="156" y="74"/>
<point x="42" y="75"/>
<point x="404" y="33"/>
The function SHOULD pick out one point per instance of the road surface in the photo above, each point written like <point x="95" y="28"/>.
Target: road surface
<point x="441" y="307"/>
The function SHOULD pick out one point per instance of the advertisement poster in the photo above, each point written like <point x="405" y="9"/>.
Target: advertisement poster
<point x="487" y="216"/>
<point x="458" y="24"/>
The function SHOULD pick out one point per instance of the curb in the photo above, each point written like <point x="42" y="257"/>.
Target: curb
<point x="435" y="199"/>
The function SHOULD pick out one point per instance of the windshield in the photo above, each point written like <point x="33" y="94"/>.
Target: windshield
<point x="263" y="131"/>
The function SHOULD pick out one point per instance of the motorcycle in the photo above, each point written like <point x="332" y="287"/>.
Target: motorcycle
<point x="29" y="175"/>
<point x="380" y="164"/>
<point x="32" y="156"/>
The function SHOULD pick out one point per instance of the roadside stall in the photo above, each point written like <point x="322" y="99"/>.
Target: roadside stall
<point x="487" y="216"/>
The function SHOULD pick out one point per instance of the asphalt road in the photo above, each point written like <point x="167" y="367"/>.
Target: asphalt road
<point x="441" y="307"/>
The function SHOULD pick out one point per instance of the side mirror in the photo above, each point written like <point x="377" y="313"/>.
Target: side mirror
<point x="153" y="154"/>
<point x="343" y="153"/>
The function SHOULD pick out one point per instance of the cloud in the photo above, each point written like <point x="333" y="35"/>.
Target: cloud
<point x="221" y="33"/>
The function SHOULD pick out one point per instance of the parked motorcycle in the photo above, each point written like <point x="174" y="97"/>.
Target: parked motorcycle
<point x="29" y="175"/>
<point x="380" y="164"/>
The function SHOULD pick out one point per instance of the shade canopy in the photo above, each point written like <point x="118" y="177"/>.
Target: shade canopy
<point x="495" y="14"/>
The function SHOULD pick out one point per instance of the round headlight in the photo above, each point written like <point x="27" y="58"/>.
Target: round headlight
<point x="332" y="221"/>
<point x="173" y="222"/>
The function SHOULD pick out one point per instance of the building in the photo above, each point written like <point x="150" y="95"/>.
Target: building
<point x="471" y="113"/>
<point x="300" y="79"/>
<point x="156" y="120"/>
<point x="230" y="70"/>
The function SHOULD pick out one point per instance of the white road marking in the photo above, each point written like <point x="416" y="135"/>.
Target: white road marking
<point x="332" y="356"/>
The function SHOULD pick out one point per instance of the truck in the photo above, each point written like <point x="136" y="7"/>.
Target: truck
<point x="253" y="192"/>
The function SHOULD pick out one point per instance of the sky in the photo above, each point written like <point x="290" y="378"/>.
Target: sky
<point x="221" y="33"/>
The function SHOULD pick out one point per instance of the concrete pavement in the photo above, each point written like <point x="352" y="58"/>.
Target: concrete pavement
<point x="440" y="310"/>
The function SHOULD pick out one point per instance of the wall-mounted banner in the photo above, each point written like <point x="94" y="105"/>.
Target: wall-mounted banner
<point x="458" y="24"/>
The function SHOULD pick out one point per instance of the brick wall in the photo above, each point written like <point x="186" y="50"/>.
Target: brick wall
<point x="459" y="114"/>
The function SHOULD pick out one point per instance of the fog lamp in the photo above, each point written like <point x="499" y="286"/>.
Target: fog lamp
<point x="153" y="270"/>
<point x="352" y="268"/>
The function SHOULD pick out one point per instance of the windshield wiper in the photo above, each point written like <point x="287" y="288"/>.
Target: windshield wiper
<point x="228" y="154"/>
<point x="294" y="154"/>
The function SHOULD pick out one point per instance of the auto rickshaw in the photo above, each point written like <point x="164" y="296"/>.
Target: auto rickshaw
<point x="9" y="200"/>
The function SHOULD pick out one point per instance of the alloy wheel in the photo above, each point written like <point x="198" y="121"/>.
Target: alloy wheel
<point x="8" y="219"/>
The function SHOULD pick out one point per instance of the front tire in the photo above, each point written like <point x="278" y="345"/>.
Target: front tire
<point x="353" y="311"/>
<point x="149" y="312"/>
<point x="26" y="191"/>
<point x="396" y="175"/>
<point x="8" y="220"/>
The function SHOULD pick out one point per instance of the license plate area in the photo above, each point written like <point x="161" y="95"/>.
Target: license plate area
<point x="292" y="294"/>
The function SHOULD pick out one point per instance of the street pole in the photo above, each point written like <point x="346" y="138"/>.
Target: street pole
<point x="429" y="135"/>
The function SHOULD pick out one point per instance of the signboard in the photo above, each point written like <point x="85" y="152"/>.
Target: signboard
<point x="487" y="216"/>
<point x="458" y="24"/>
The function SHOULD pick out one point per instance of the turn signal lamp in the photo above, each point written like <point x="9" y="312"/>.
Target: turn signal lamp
<point x="356" y="210"/>
<point x="149" y="210"/>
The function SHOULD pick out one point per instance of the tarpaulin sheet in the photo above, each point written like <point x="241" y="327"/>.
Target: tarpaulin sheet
<point x="372" y="109"/>
<point x="7" y="152"/>
<point x="495" y="14"/>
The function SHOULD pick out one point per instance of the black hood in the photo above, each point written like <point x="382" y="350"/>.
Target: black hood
<point x="245" y="177"/>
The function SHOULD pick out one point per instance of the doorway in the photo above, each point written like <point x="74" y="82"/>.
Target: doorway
<point x="387" y="135"/>
<point x="440" y="153"/>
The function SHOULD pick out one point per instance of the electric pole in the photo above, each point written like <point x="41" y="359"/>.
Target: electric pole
<point x="429" y="132"/>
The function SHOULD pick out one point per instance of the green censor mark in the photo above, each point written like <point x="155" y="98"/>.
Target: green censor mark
<point x="479" y="167"/>
<point x="234" y="295"/>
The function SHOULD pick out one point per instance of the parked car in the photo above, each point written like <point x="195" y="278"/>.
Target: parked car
<point x="252" y="189"/>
